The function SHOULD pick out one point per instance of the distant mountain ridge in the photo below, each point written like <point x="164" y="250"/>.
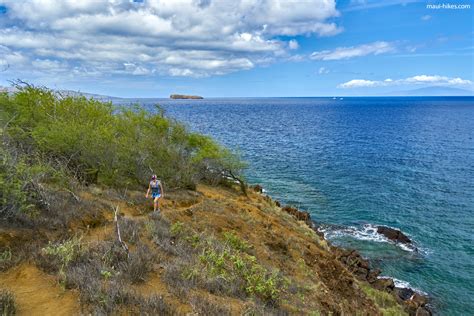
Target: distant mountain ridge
<point x="422" y="92"/>
<point x="101" y="97"/>
<point x="432" y="91"/>
<point x="71" y="93"/>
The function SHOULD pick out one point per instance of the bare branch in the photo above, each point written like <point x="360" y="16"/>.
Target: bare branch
<point x="73" y="195"/>
<point x="243" y="185"/>
<point x="117" y="226"/>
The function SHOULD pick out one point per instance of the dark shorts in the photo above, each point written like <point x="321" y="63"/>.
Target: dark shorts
<point x="155" y="195"/>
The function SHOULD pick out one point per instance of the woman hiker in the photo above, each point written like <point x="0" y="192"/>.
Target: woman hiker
<point x="156" y="192"/>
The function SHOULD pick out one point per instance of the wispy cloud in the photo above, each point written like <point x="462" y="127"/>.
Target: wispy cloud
<point x="375" y="48"/>
<point x="415" y="80"/>
<point x="356" y="5"/>
<point x="323" y="71"/>
<point x="293" y="44"/>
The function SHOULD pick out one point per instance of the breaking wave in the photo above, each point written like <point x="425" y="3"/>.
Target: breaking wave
<point x="366" y="232"/>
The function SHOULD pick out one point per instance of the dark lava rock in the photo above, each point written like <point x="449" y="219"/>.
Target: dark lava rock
<point x="356" y="264"/>
<point x="373" y="274"/>
<point x="416" y="305"/>
<point x="393" y="234"/>
<point x="299" y="215"/>
<point x="384" y="284"/>
<point x="423" y="311"/>
<point x="258" y="188"/>
<point x="418" y="299"/>
<point x="404" y="293"/>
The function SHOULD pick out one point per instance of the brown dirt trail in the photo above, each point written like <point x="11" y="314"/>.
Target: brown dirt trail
<point x="37" y="293"/>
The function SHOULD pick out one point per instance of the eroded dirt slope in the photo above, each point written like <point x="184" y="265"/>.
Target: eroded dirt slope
<point x="210" y="251"/>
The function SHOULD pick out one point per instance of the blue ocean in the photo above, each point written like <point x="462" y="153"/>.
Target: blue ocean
<point x="354" y="163"/>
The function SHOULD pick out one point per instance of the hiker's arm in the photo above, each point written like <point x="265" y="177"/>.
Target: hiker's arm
<point x="147" y="192"/>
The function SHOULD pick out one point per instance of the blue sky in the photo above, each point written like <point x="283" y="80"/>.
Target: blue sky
<point x="153" y="48"/>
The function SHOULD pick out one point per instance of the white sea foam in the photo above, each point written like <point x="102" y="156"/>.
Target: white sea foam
<point x="366" y="232"/>
<point x="404" y="284"/>
<point x="401" y="283"/>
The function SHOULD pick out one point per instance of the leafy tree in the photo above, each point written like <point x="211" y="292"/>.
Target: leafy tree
<point x="119" y="146"/>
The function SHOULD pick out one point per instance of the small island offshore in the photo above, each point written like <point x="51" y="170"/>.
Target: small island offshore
<point x="185" y="96"/>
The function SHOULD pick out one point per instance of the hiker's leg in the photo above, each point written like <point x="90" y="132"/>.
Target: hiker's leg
<point x="158" y="200"/>
<point x="155" y="204"/>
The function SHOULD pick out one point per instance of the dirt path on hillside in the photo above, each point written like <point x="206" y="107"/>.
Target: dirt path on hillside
<point x="37" y="293"/>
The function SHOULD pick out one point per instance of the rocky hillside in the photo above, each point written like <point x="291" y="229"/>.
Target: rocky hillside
<point x="212" y="251"/>
<point x="77" y="235"/>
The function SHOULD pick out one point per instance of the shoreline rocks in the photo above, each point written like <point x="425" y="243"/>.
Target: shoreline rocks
<point x="302" y="216"/>
<point x="257" y="188"/>
<point x="393" y="234"/>
<point x="299" y="215"/>
<point x="415" y="303"/>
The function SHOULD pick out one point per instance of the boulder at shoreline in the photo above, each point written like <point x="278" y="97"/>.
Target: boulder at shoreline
<point x="393" y="234"/>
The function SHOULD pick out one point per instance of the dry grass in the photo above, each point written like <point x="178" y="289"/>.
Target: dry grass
<point x="138" y="265"/>
<point x="7" y="303"/>
<point x="211" y="253"/>
<point x="384" y="301"/>
<point x="205" y="306"/>
<point x="130" y="230"/>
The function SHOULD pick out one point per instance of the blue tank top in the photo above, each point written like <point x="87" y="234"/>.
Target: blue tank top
<point x="155" y="186"/>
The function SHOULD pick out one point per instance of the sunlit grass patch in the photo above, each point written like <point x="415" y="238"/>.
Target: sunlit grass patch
<point x="386" y="302"/>
<point x="235" y="242"/>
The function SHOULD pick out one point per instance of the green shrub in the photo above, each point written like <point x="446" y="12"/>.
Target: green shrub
<point x="21" y="178"/>
<point x="225" y="268"/>
<point x="177" y="229"/>
<point x="243" y="269"/>
<point x="64" y="253"/>
<point x="106" y="274"/>
<point x="385" y="301"/>
<point x="5" y="255"/>
<point x="13" y="197"/>
<point x="7" y="260"/>
<point x="235" y="242"/>
<point x="117" y="146"/>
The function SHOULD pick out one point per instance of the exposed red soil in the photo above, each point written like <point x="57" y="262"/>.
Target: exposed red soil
<point x="37" y="293"/>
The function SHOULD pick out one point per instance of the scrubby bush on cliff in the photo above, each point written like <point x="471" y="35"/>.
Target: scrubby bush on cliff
<point x="99" y="142"/>
<point x="20" y="186"/>
<point x="7" y="303"/>
<point x="222" y="267"/>
<point x="12" y="196"/>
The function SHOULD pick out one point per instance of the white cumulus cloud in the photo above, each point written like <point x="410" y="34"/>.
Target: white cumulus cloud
<point x="178" y="38"/>
<point x="415" y="80"/>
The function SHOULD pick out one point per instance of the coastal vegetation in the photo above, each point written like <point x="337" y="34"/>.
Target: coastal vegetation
<point x="78" y="233"/>
<point x="46" y="135"/>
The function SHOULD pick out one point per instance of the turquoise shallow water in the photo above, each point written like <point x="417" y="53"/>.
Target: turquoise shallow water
<point x="358" y="162"/>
